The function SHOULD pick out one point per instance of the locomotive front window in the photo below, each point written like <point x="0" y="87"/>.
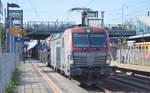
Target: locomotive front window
<point x="97" y="40"/>
<point x="80" y="40"/>
<point x="89" y="40"/>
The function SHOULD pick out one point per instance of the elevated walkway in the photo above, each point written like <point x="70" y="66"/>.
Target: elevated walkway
<point x="41" y="30"/>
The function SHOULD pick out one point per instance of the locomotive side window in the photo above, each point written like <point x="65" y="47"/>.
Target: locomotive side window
<point x="97" y="41"/>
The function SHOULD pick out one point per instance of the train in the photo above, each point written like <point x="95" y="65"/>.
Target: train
<point x="80" y="53"/>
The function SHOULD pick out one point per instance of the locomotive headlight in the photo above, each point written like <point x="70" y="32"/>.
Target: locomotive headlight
<point x="88" y="30"/>
<point x="70" y="57"/>
<point x="71" y="62"/>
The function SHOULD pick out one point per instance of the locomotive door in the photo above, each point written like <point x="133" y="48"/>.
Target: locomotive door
<point x="58" y="57"/>
<point x="63" y="53"/>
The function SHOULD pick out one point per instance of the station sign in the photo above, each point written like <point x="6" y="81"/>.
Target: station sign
<point x="14" y="30"/>
<point x="19" y="39"/>
<point x="15" y="18"/>
<point x="15" y="14"/>
<point x="18" y="31"/>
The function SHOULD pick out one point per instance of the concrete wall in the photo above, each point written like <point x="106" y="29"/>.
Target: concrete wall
<point x="7" y="66"/>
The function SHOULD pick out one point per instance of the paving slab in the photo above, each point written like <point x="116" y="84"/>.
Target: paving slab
<point x="31" y="81"/>
<point x="36" y="77"/>
<point x="68" y="86"/>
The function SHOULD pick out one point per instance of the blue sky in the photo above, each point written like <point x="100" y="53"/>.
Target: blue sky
<point x="51" y="10"/>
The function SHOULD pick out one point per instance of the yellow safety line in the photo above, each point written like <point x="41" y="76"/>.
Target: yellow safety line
<point x="50" y="82"/>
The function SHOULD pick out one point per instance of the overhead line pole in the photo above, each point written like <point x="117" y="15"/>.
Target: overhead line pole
<point x="102" y="19"/>
<point x="123" y="14"/>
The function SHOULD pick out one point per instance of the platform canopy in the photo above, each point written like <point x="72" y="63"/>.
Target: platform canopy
<point x="140" y="38"/>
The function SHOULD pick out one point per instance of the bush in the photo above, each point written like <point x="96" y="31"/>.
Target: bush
<point x="2" y="35"/>
<point x="14" y="82"/>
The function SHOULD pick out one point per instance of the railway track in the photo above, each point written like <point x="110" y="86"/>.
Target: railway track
<point x="121" y="83"/>
<point x="96" y="89"/>
<point x="141" y="84"/>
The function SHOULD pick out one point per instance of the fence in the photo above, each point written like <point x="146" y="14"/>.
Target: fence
<point x="134" y="55"/>
<point x="8" y="64"/>
<point x="48" y="26"/>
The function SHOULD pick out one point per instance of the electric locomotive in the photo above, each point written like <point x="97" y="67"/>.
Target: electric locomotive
<point x="81" y="53"/>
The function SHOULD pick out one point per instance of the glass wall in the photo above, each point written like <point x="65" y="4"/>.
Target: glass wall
<point x="142" y="28"/>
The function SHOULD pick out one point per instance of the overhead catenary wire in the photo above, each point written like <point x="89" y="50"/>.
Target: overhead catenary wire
<point x="117" y="14"/>
<point x="118" y="11"/>
<point x="70" y="14"/>
<point x="34" y="9"/>
<point x="128" y="6"/>
<point x="130" y="14"/>
<point x="17" y="1"/>
<point x="89" y="3"/>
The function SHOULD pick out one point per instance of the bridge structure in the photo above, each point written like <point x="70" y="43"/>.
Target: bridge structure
<point x="41" y="30"/>
<point x="117" y="35"/>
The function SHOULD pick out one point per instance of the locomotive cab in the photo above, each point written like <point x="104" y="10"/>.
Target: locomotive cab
<point x="88" y="55"/>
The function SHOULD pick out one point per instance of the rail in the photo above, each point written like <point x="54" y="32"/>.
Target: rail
<point x="144" y="73"/>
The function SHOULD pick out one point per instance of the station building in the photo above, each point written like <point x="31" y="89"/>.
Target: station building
<point x="142" y="29"/>
<point x="143" y="25"/>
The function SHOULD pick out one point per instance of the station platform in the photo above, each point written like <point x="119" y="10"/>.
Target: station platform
<point x="36" y="77"/>
<point x="130" y="66"/>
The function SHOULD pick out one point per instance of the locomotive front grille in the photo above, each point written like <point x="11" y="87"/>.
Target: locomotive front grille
<point x="89" y="58"/>
<point x="80" y="61"/>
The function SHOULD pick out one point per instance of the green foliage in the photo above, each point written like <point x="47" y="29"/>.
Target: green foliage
<point x="14" y="82"/>
<point x="139" y="63"/>
<point x="146" y="64"/>
<point x="2" y="34"/>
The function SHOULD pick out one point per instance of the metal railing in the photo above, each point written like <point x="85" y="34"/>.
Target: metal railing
<point x="48" y="26"/>
<point x="134" y="55"/>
